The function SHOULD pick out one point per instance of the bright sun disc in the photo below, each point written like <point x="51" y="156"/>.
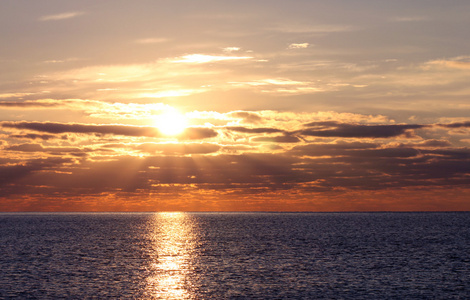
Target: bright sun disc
<point x="171" y="122"/>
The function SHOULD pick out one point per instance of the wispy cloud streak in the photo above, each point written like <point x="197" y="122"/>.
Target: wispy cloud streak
<point x="61" y="16"/>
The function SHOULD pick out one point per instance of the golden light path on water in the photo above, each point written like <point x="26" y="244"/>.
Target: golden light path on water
<point x="174" y="239"/>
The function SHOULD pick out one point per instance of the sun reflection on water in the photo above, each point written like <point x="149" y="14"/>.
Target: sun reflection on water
<point x="174" y="239"/>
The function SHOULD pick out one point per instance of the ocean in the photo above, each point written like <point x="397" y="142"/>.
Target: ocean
<point x="235" y="255"/>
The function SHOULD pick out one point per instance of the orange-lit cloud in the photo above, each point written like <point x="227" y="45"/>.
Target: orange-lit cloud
<point x="452" y="64"/>
<point x="203" y="58"/>
<point x="151" y="40"/>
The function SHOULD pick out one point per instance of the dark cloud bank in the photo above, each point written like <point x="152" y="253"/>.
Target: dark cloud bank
<point x="359" y="162"/>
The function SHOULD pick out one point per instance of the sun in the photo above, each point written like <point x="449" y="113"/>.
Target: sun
<point x="171" y="122"/>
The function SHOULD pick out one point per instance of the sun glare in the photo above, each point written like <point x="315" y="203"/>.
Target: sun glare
<point x="171" y="122"/>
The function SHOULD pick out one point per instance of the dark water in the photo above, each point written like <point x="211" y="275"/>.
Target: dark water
<point x="235" y="255"/>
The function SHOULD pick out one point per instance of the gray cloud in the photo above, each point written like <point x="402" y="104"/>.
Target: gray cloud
<point x="14" y="177"/>
<point x="82" y="128"/>
<point x="365" y="166"/>
<point x="125" y="130"/>
<point x="248" y="117"/>
<point x="26" y="148"/>
<point x="196" y="133"/>
<point x="33" y="136"/>
<point x="335" y="129"/>
<point x="252" y="130"/>
<point x="51" y="150"/>
<point x="27" y="104"/>
<point x="276" y="139"/>
<point x="455" y="125"/>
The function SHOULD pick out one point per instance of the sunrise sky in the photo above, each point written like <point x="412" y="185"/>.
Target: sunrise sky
<point x="298" y="105"/>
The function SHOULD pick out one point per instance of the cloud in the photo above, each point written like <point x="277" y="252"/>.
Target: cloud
<point x="14" y="173"/>
<point x="195" y="133"/>
<point x="60" y="61"/>
<point x="456" y="125"/>
<point x="370" y="166"/>
<point x="459" y="62"/>
<point x="298" y="46"/>
<point x="14" y="95"/>
<point x="247" y="117"/>
<point x="26" y="148"/>
<point x="62" y="16"/>
<point x="211" y="169"/>
<point x="457" y="154"/>
<point x="252" y="130"/>
<point x="349" y="166"/>
<point x="230" y="49"/>
<point x="52" y="150"/>
<point x="124" y="130"/>
<point x="203" y="58"/>
<point x="335" y="129"/>
<point x="282" y="86"/>
<point x="430" y="144"/>
<point x="134" y="81"/>
<point x="452" y="64"/>
<point x="51" y="127"/>
<point x="277" y="139"/>
<point x="151" y="41"/>
<point x="33" y="136"/>
<point x="29" y="104"/>
<point x="336" y="148"/>
<point x="247" y="154"/>
<point x="171" y="93"/>
<point x="409" y="19"/>
<point x="318" y="29"/>
<point x="270" y="81"/>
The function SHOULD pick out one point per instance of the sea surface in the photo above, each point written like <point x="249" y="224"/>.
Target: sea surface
<point x="235" y="255"/>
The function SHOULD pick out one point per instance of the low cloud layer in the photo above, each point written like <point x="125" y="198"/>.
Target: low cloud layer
<point x="263" y="155"/>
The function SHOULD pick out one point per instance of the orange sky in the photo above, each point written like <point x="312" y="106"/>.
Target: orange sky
<point x="234" y="106"/>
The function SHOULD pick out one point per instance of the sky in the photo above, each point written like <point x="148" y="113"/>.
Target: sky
<point x="256" y="105"/>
